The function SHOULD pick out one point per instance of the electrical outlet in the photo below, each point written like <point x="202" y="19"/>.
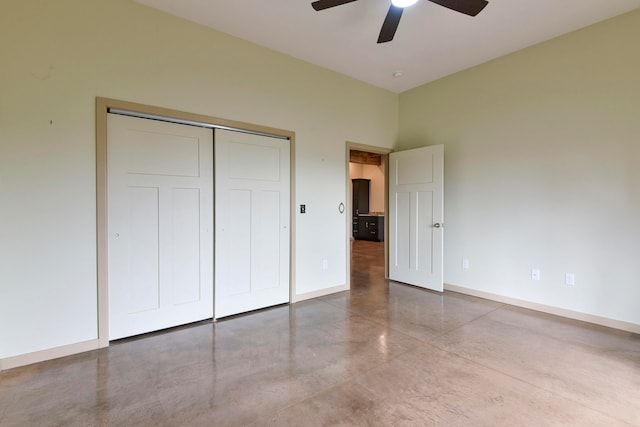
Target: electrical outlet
<point x="535" y="274"/>
<point x="465" y="264"/>
<point x="570" y="279"/>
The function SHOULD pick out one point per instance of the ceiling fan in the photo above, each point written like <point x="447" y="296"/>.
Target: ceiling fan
<point x="390" y="24"/>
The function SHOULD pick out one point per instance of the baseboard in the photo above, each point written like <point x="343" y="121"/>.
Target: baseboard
<point x="320" y="293"/>
<point x="52" y="353"/>
<point x="575" y="315"/>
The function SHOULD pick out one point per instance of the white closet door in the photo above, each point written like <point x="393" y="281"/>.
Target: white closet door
<point x="416" y="188"/>
<point x="252" y="175"/>
<point x="160" y="224"/>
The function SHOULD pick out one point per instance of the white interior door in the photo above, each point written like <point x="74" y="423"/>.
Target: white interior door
<point x="416" y="179"/>
<point x="160" y="225"/>
<point x="252" y="195"/>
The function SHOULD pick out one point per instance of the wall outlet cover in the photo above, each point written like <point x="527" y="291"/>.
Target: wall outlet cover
<point x="535" y="274"/>
<point x="570" y="279"/>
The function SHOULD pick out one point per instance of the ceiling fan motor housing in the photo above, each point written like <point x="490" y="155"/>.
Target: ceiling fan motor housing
<point x="392" y="20"/>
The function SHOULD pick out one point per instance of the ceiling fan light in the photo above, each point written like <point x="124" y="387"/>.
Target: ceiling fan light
<point x="403" y="3"/>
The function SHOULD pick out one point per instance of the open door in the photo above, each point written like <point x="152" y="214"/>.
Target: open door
<point x="416" y="181"/>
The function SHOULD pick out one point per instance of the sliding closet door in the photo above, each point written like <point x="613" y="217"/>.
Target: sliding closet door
<point x="160" y="225"/>
<point x="252" y="202"/>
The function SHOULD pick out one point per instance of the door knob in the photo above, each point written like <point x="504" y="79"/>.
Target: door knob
<point x="437" y="225"/>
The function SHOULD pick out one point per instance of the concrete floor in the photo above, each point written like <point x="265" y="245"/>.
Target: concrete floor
<point x="384" y="354"/>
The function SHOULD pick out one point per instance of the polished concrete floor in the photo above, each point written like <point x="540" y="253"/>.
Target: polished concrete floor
<point x="384" y="354"/>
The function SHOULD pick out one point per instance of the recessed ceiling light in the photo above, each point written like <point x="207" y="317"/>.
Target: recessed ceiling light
<point x="397" y="74"/>
<point x="403" y="3"/>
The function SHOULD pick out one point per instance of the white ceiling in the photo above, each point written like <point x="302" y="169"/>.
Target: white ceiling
<point x="431" y="41"/>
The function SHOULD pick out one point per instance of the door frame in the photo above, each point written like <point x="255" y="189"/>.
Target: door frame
<point x="103" y="105"/>
<point x="349" y="220"/>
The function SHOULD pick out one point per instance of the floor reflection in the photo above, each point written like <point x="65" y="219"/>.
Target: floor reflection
<point x="382" y="354"/>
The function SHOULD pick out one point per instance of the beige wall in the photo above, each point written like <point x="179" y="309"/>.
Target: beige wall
<point x="57" y="56"/>
<point x="542" y="169"/>
<point x="541" y="153"/>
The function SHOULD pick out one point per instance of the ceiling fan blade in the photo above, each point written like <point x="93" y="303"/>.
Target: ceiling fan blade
<point x="326" y="4"/>
<point x="390" y="24"/>
<point x="468" y="7"/>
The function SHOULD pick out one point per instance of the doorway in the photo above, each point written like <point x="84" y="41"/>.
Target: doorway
<point x="367" y="182"/>
<point x="414" y="212"/>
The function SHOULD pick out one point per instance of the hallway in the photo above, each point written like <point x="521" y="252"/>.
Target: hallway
<point x="384" y="354"/>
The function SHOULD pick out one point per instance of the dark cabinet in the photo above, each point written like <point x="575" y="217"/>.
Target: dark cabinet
<point x="364" y="226"/>
<point x="369" y="227"/>
<point x="361" y="188"/>
<point x="355" y="227"/>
